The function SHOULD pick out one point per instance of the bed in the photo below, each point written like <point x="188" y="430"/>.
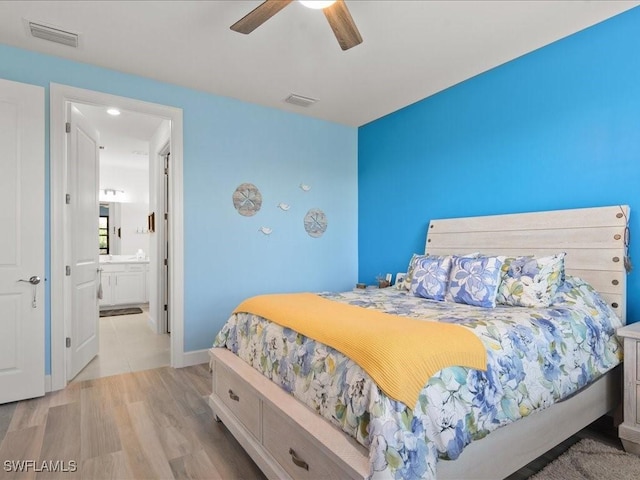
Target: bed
<point x="287" y="439"/>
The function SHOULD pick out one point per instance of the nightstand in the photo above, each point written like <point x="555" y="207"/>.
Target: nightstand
<point x="368" y="287"/>
<point x="629" y="430"/>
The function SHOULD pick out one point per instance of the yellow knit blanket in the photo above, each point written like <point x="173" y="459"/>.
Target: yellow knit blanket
<point x="400" y="354"/>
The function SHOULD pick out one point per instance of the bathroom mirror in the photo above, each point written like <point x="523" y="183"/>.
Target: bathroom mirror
<point x="123" y="228"/>
<point x="110" y="228"/>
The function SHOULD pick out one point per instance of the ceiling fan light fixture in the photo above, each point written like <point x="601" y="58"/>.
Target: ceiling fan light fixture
<point x="317" y="4"/>
<point x="335" y="11"/>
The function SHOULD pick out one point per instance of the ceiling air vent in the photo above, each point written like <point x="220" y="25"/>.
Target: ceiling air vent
<point x="299" y="100"/>
<point x="53" y="34"/>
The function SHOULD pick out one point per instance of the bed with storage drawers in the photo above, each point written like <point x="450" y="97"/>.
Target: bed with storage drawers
<point x="528" y="303"/>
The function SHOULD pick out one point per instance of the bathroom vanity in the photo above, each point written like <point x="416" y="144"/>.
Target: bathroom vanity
<point x="124" y="280"/>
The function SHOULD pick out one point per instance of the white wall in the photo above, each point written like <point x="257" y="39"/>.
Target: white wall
<point x="133" y="221"/>
<point x="227" y="142"/>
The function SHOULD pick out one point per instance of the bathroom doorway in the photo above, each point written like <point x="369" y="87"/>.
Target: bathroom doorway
<point x="129" y="337"/>
<point x="61" y="312"/>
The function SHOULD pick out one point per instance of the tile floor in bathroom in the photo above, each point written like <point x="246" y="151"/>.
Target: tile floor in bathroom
<point x="127" y="344"/>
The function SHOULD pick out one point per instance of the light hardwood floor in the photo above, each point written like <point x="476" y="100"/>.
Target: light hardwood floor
<point x="153" y="424"/>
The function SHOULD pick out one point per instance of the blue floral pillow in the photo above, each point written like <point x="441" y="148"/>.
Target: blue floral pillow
<point x="475" y="281"/>
<point x="531" y="281"/>
<point x="430" y="277"/>
<point x="406" y="285"/>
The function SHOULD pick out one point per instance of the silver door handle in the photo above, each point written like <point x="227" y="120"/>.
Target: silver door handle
<point x="35" y="280"/>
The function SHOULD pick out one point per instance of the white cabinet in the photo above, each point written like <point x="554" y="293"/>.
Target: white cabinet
<point x="629" y="430"/>
<point x="124" y="284"/>
<point x="129" y="288"/>
<point x="107" y="291"/>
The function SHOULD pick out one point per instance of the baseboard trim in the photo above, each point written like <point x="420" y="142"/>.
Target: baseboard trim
<point x="195" y="358"/>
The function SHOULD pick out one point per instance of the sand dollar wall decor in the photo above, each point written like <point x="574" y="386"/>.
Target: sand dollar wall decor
<point x="315" y="222"/>
<point x="247" y="199"/>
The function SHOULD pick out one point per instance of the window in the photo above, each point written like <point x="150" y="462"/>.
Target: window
<point x="103" y="235"/>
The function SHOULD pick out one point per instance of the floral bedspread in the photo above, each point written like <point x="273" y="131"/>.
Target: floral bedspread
<point x="535" y="357"/>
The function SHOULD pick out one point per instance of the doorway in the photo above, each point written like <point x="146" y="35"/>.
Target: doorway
<point x="127" y="331"/>
<point x="61" y="305"/>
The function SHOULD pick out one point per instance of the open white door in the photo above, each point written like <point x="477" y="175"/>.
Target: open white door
<point x="21" y="241"/>
<point x="83" y="183"/>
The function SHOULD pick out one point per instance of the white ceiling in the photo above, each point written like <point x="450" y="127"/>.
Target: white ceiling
<point x="411" y="49"/>
<point x="125" y="138"/>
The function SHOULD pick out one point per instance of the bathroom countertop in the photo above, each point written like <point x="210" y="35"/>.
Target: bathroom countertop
<point x="110" y="259"/>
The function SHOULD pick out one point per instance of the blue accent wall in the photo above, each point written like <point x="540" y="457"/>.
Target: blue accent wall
<point x="557" y="128"/>
<point x="228" y="142"/>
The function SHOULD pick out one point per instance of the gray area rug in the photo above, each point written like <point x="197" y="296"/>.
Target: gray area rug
<point x="120" y="311"/>
<point x="591" y="460"/>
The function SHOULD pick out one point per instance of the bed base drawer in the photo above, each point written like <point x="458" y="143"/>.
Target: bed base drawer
<point x="320" y="450"/>
<point x="239" y="398"/>
<point x="293" y="450"/>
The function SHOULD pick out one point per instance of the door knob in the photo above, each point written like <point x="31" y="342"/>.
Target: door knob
<point x="35" y="280"/>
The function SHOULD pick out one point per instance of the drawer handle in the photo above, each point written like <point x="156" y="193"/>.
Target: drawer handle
<point x="233" y="396"/>
<point x="298" y="461"/>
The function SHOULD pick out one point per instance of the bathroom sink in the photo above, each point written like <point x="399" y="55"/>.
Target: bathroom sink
<point x="122" y="259"/>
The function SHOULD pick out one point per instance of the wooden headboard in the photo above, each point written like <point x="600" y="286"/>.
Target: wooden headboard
<point x="593" y="239"/>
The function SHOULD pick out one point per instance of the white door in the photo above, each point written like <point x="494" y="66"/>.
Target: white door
<point x="21" y="241"/>
<point x="83" y="183"/>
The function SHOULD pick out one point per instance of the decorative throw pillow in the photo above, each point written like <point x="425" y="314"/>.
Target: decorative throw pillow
<point x="431" y="277"/>
<point x="448" y="297"/>
<point x="475" y="281"/>
<point x="530" y="281"/>
<point x="409" y="276"/>
<point x="406" y="285"/>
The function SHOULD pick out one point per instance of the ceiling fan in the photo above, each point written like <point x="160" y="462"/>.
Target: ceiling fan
<point x="336" y="12"/>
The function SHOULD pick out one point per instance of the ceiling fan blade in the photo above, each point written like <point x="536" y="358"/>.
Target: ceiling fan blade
<point x="342" y="24"/>
<point x="259" y="15"/>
